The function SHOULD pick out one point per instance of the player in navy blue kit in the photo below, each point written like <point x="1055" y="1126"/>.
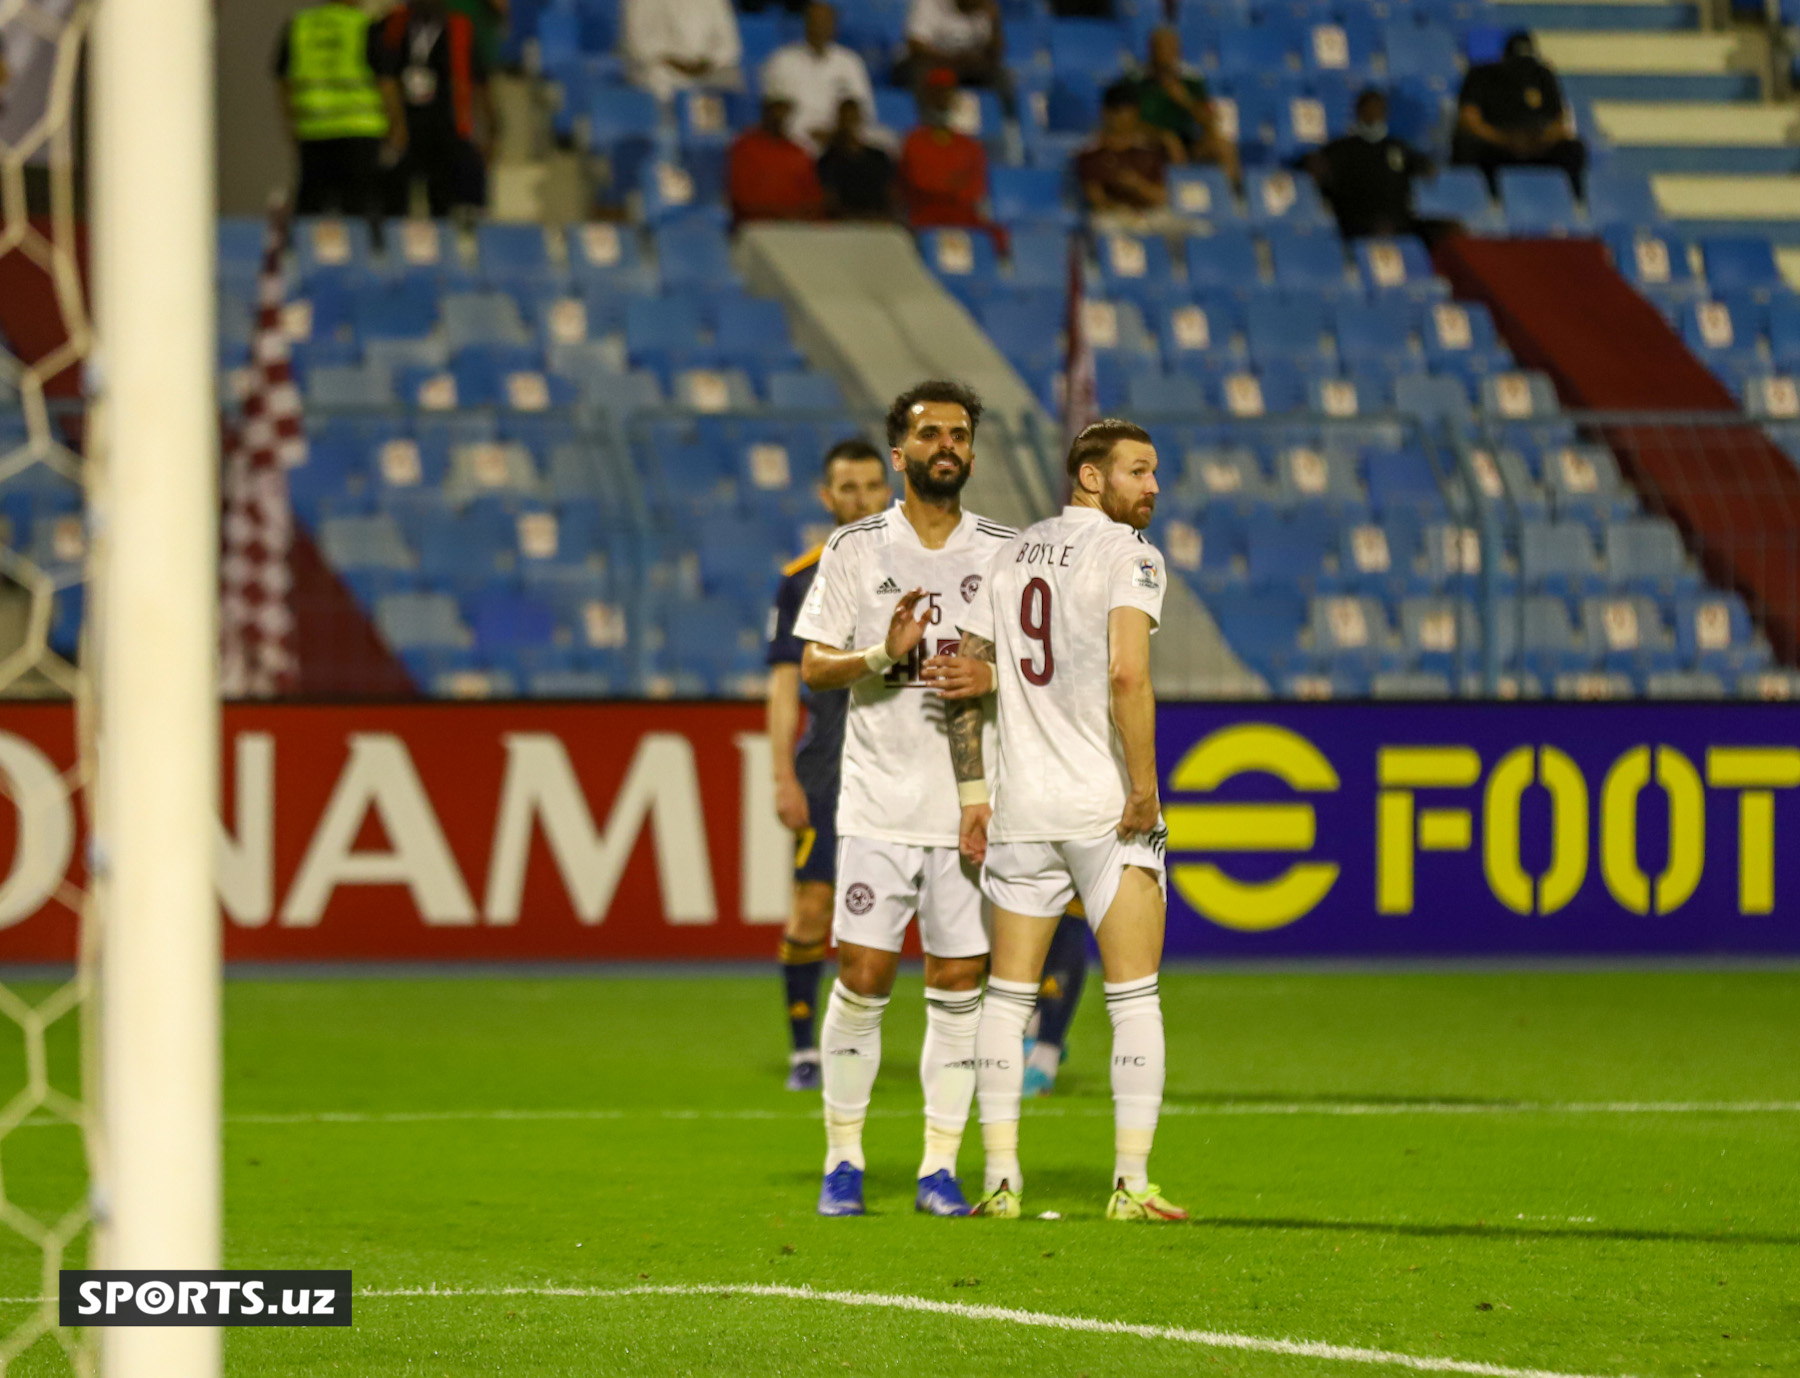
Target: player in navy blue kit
<point x="854" y="485"/>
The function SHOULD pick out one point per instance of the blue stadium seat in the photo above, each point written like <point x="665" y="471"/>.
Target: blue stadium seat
<point x="1457" y="193"/>
<point x="1257" y="51"/>
<point x="1381" y="329"/>
<point x="1558" y="557"/>
<point x="1284" y="555"/>
<point x="606" y="255"/>
<point x="1437" y="400"/>
<point x="1226" y="476"/>
<point x="1740" y="264"/>
<point x="1039" y="260"/>
<point x="1309" y="474"/>
<point x="800" y="390"/>
<point x="1713" y="330"/>
<point x="482" y="318"/>
<point x="1168" y="393"/>
<point x="1310" y="263"/>
<point x="1223" y="262"/>
<point x="1585" y="483"/>
<point x="1537" y="200"/>
<point x="1030" y="195"/>
<point x="665" y="334"/>
<point x="1548" y="640"/>
<point x="410" y="621"/>
<point x="512" y="254"/>
<point x="1283" y="330"/>
<point x="1399" y="266"/>
<point x="328" y="247"/>
<point x="752" y="332"/>
<point x="1421" y="51"/>
<point x="622" y="121"/>
<point x="1025" y="328"/>
<point x="1278" y="196"/>
<point x="1440" y="635"/>
<point x="1403" y="481"/>
<point x="1197" y="335"/>
<point x="1621" y="200"/>
<point x="1627" y="635"/>
<point x="963" y="259"/>
<point x="1263" y="628"/>
<point x="1135" y="267"/>
<point x="349" y="387"/>
<point x="694" y="255"/>
<point x="1202" y="193"/>
<point x="1646" y="555"/>
<point x="1094" y="46"/>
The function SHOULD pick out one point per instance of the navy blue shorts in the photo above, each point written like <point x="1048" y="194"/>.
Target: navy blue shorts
<point x="815" y="850"/>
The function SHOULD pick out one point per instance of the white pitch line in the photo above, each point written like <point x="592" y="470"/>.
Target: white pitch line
<point x="1211" y="1339"/>
<point x="1290" y="1108"/>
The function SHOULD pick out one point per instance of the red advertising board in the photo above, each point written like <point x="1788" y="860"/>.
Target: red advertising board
<point x="443" y="832"/>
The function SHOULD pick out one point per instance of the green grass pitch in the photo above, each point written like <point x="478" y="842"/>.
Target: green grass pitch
<point x="1521" y="1169"/>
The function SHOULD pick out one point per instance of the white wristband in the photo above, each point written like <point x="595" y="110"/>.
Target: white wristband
<point x="878" y="660"/>
<point x="970" y="792"/>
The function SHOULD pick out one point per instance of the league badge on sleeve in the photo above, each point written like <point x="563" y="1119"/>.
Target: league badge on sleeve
<point x="1147" y="576"/>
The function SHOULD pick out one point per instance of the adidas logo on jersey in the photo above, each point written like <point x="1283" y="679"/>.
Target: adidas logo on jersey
<point x="887" y="586"/>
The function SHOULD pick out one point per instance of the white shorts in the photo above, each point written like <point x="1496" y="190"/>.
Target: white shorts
<point x="881" y="885"/>
<point x="1038" y="879"/>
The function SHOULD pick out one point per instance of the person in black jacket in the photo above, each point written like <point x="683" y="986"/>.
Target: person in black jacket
<point x="1511" y="113"/>
<point x="1367" y="175"/>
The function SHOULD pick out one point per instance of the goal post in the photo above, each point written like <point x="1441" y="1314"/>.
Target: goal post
<point x="154" y="650"/>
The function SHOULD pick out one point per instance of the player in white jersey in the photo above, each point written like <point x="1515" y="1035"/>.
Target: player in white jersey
<point x="1067" y="616"/>
<point x="884" y="603"/>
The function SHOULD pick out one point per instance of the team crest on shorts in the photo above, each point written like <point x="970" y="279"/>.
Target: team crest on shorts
<point x="859" y="898"/>
<point x="970" y="587"/>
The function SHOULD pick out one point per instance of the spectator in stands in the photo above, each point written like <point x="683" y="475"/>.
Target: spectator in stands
<point x="672" y="44"/>
<point x="1511" y="113"/>
<point x="341" y="104"/>
<point x="490" y="18"/>
<point x="769" y="176"/>
<point x="943" y="173"/>
<point x="1172" y="97"/>
<point x="449" y="109"/>
<point x="858" y="176"/>
<point x="965" y="36"/>
<point x="1125" y="169"/>
<point x="1367" y="175"/>
<point x="820" y="74"/>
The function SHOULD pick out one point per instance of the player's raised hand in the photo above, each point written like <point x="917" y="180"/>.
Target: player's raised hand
<point x="972" y="837"/>
<point x="906" y="631"/>
<point x="1141" y="813"/>
<point x="959" y="677"/>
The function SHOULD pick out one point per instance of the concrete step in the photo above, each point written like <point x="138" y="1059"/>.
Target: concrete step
<point x="1643" y="16"/>
<point x="1586" y="52"/>
<point x="1732" y="204"/>
<point x="1700" y="136"/>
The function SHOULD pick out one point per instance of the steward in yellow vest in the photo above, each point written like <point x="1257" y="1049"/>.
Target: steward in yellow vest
<point x="341" y="101"/>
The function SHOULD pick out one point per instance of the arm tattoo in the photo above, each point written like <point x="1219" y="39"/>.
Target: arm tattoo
<point x="962" y="717"/>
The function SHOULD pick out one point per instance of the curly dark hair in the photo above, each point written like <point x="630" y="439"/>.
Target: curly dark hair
<point x="899" y="417"/>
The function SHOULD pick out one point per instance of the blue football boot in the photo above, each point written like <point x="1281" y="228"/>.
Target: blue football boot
<point x="804" y="1076"/>
<point x="841" y="1193"/>
<point x="940" y="1194"/>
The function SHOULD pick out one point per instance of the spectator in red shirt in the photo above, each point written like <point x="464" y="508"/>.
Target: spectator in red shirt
<point x="1125" y="169"/>
<point x="943" y="173"/>
<point x="770" y="177"/>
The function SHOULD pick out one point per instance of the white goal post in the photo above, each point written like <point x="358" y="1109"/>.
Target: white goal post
<point x="154" y="655"/>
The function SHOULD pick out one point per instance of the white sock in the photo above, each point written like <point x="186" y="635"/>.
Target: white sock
<point x="1046" y="1057"/>
<point x="1000" y="1076"/>
<point x="850" y="1038"/>
<point x="1138" y="1066"/>
<point x="947" y="1072"/>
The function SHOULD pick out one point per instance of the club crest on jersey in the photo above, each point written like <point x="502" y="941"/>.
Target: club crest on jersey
<point x="887" y="585"/>
<point x="970" y="587"/>
<point x="859" y="898"/>
<point x="1145" y="578"/>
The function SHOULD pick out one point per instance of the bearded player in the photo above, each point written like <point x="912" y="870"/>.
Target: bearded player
<point x="1067" y="616"/>
<point x="853" y="485"/>
<point x="887" y="597"/>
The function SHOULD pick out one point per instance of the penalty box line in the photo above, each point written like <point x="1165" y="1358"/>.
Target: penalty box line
<point x="1223" y="1108"/>
<point x="1210" y="1339"/>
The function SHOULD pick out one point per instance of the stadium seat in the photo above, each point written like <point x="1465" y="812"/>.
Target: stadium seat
<point x="1039" y="260"/>
<point x="964" y="259"/>
<point x="1202" y="193"/>
<point x="694" y="255"/>
<point x="1134" y="267"/>
<point x="1283" y="330"/>
<point x="1458" y="193"/>
<point x="1646" y="555"/>
<point x="482" y="318"/>
<point x="1350" y="632"/>
<point x="1585" y="483"/>
<point x="1309" y="263"/>
<point x="1173" y="394"/>
<point x="1558" y="557"/>
<point x="1223" y="263"/>
<point x="1741" y="264"/>
<point x="1280" y="197"/>
<point x="801" y="390"/>
<point x="1398" y="266"/>
<point x="1305" y="474"/>
<point x="410" y="621"/>
<point x="512" y="254"/>
<point x="339" y="386"/>
<point x="1030" y="195"/>
<point x="1537" y="200"/>
<point x="1198" y="335"/>
<point x="1421" y="51"/>
<point x="1627" y="635"/>
<point x="1374" y="330"/>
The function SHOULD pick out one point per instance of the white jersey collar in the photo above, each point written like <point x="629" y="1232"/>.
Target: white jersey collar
<point x="901" y="527"/>
<point x="1076" y="513"/>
